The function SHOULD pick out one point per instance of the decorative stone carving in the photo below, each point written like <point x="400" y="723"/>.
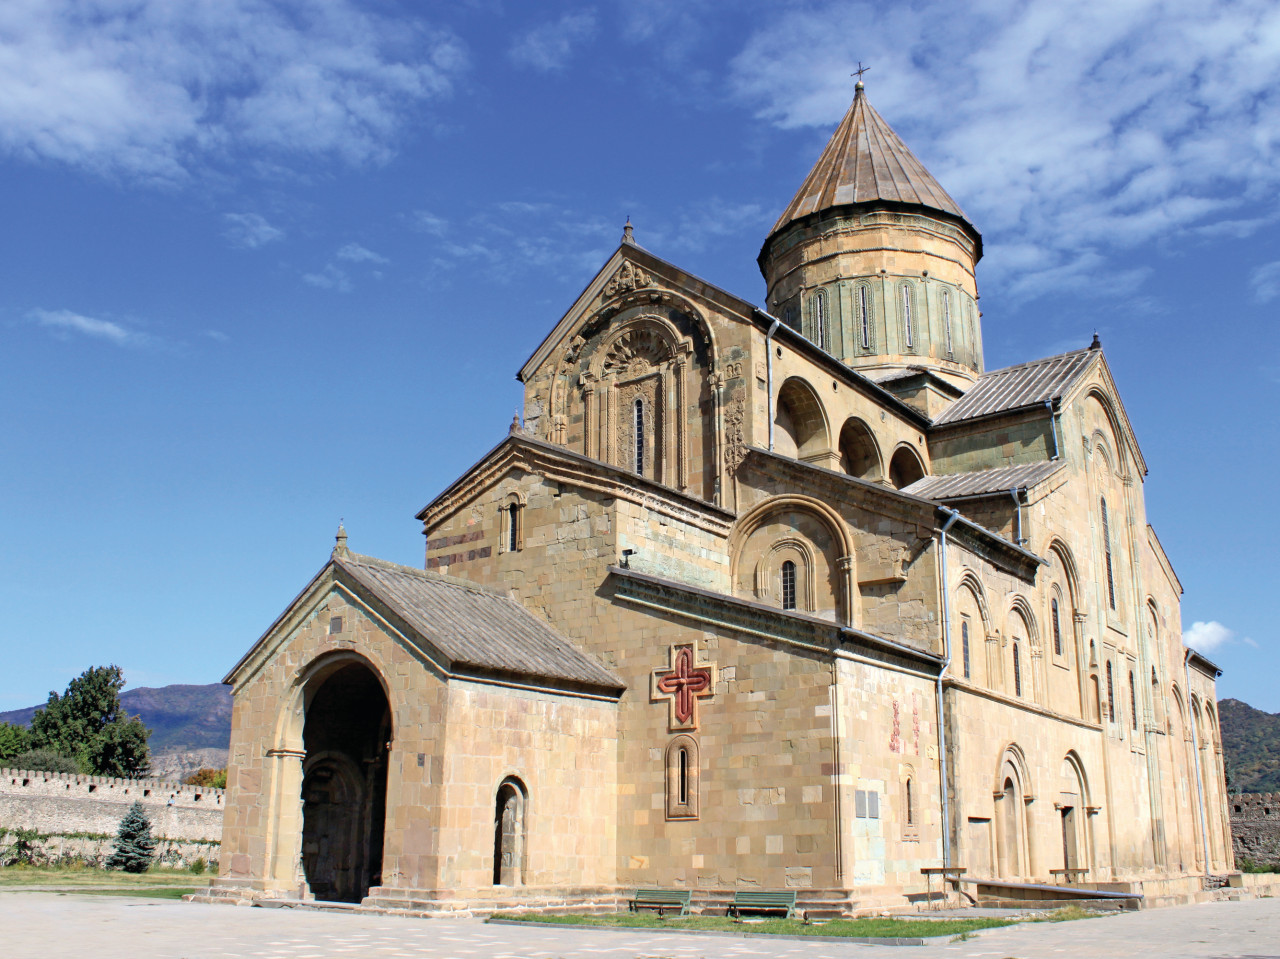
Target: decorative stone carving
<point x="636" y="352"/>
<point x="629" y="277"/>
<point x="735" y="442"/>
<point x="683" y="685"/>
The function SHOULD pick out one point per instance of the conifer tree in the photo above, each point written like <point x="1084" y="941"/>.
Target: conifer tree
<point x="134" y="845"/>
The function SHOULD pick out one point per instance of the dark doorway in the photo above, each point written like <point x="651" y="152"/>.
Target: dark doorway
<point x="344" y="787"/>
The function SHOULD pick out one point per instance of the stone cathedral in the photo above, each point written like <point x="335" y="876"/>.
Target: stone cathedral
<point x="800" y="597"/>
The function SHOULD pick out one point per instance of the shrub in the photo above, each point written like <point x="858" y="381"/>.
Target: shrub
<point x="45" y="760"/>
<point x="198" y="866"/>
<point x="134" y="846"/>
<point x="213" y="778"/>
<point x="23" y="851"/>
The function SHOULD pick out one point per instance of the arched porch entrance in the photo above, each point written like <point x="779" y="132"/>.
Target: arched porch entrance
<point x="346" y="735"/>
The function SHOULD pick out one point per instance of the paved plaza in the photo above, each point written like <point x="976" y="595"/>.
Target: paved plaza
<point x="44" y="925"/>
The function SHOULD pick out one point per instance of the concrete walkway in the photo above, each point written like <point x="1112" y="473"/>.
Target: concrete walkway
<point x="42" y="925"/>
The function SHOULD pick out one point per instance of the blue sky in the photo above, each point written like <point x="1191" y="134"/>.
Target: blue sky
<point x="270" y="264"/>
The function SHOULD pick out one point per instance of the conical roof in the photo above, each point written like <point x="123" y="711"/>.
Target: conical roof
<point x="866" y="162"/>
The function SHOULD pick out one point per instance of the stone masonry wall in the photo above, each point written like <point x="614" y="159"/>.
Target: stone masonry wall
<point x="1255" y="827"/>
<point x="61" y="803"/>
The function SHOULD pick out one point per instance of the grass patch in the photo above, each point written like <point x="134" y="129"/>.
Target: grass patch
<point x="70" y="877"/>
<point x="865" y="928"/>
<point x="140" y="892"/>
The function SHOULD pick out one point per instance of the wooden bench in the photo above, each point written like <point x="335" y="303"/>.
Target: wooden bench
<point x="662" y="900"/>
<point x="783" y="902"/>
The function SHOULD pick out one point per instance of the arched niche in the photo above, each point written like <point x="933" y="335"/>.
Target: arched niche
<point x="859" y="452"/>
<point x="800" y="424"/>
<point x="803" y="531"/>
<point x="1012" y="793"/>
<point x="1072" y="806"/>
<point x="905" y="467"/>
<point x="510" y="832"/>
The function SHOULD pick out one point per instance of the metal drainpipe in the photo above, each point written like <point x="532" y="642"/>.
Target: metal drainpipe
<point x="768" y="366"/>
<point x="946" y="662"/>
<point x="1195" y="753"/>
<point x="1017" y="514"/>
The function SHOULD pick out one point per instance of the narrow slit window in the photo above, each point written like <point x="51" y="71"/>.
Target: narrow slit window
<point x="964" y="645"/>
<point x="638" y="411"/>
<point x="907" y="319"/>
<point x="1133" y="703"/>
<point x="684" y="777"/>
<point x="513" y="527"/>
<point x="1057" y="629"/>
<point x="911" y="812"/>
<point x="1111" y="697"/>
<point x="946" y="318"/>
<point x="1106" y="550"/>
<point x="1017" y="671"/>
<point x="818" y="315"/>
<point x="864" y="318"/>
<point x="788" y="585"/>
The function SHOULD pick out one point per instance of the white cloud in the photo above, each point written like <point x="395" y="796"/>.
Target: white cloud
<point x="1266" y="282"/>
<point x="548" y="47"/>
<point x="65" y="322"/>
<point x="428" y="222"/>
<point x="330" y="278"/>
<point x="1074" y="129"/>
<point x="355" y="253"/>
<point x="154" y="89"/>
<point x="1206" y="637"/>
<point x="250" y="230"/>
<point x="217" y="336"/>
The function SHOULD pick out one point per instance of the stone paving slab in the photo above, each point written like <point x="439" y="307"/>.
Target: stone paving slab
<point x="42" y="925"/>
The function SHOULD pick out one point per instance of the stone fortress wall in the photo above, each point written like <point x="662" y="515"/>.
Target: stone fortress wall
<point x="1255" y="827"/>
<point x="74" y="813"/>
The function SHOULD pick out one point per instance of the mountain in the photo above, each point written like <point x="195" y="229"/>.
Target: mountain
<point x="1251" y="742"/>
<point x="190" y="725"/>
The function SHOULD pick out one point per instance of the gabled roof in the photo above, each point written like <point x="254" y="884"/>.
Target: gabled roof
<point x="866" y="162"/>
<point x="980" y="482"/>
<point x="470" y="628"/>
<point x="1019" y="387"/>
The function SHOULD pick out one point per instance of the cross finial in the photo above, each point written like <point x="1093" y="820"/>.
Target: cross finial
<point x="858" y="73"/>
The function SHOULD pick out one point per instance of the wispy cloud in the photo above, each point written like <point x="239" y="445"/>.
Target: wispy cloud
<point x="1206" y="637"/>
<point x="355" y="253"/>
<point x="65" y="323"/>
<point x="250" y="230"/>
<point x="153" y="90"/>
<point x="1077" y="129"/>
<point x="1266" y="282"/>
<point x="547" y="48"/>
<point x="330" y="278"/>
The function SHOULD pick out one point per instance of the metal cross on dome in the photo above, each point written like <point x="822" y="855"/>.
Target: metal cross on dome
<point x="860" y="71"/>
<point x="683" y="684"/>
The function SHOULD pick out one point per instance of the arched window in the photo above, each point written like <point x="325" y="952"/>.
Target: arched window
<point x="946" y="318"/>
<point x="864" y="317"/>
<point x="511" y="515"/>
<point x="1133" y="703"/>
<point x="513" y="527"/>
<point x="1106" y="550"/>
<point x="908" y="319"/>
<point x="1157" y="712"/>
<point x="964" y="644"/>
<point x="910" y="804"/>
<point x="973" y="341"/>
<point x="789" y="585"/>
<point x="1111" y="697"/>
<point x="1017" y="671"/>
<point x="1057" y="628"/>
<point x="818" y="317"/>
<point x="682" y="767"/>
<point x="638" y="417"/>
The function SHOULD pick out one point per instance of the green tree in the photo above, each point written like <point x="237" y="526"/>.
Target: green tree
<point x="88" y="722"/>
<point x="45" y="760"/>
<point x="134" y="846"/>
<point x="13" y="740"/>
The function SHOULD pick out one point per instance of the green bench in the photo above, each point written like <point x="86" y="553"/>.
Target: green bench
<point x="783" y="902"/>
<point x="662" y="900"/>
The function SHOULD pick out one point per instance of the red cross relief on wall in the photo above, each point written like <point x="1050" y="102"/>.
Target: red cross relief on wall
<point x="683" y="684"/>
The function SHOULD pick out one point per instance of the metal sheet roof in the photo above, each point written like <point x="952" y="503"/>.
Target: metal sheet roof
<point x="866" y="161"/>
<point x="473" y="626"/>
<point x="1015" y="387"/>
<point x="998" y="480"/>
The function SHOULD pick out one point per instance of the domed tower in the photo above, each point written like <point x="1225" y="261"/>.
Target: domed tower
<point x="874" y="262"/>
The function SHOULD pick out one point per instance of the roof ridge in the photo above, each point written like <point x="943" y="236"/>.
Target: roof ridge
<point x="1027" y="363"/>
<point x="360" y="559"/>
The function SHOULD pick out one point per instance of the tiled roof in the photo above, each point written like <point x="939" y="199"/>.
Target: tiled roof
<point x="998" y="480"/>
<point x="473" y="626"/>
<point x="865" y="161"/>
<point x="1015" y="387"/>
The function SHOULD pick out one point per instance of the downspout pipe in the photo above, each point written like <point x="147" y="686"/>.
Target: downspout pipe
<point x="768" y="366"/>
<point x="1053" y="428"/>
<point x="952" y="516"/>
<point x="1017" y="517"/>
<point x="1195" y="753"/>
